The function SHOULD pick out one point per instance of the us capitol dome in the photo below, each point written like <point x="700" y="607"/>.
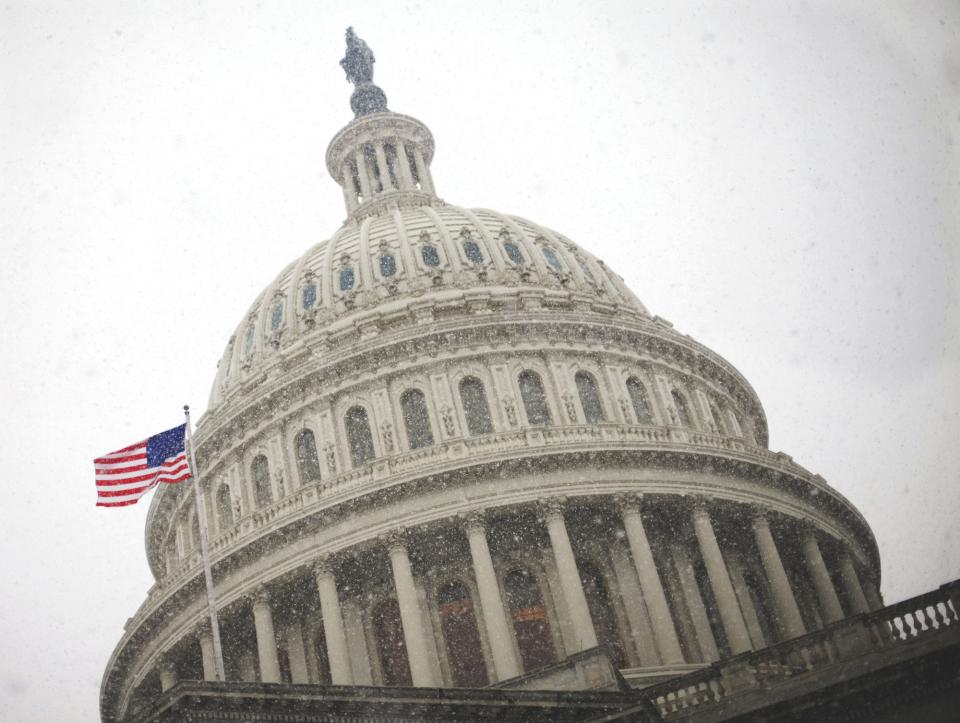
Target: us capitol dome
<point x="448" y="448"/>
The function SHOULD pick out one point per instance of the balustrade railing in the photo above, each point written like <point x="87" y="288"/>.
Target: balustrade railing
<point x="924" y="616"/>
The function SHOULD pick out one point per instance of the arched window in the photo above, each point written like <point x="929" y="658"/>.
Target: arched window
<point x="260" y="471"/>
<point x="475" y="406"/>
<point x="359" y="436"/>
<point x="472" y="251"/>
<point x="276" y="316"/>
<point x="307" y="461"/>
<point x="589" y="397"/>
<point x="640" y="401"/>
<point x="224" y="508"/>
<point x="601" y="611"/>
<point x="529" y="619"/>
<point x="513" y="252"/>
<point x="718" y="417"/>
<point x="248" y="341"/>
<point x="534" y="398"/>
<point x="683" y="411"/>
<point x="416" y="418"/>
<point x="388" y="265"/>
<point x="393" y="650"/>
<point x="346" y="278"/>
<point x="429" y="254"/>
<point x="586" y="269"/>
<point x="551" y="256"/>
<point x="309" y="296"/>
<point x="461" y="636"/>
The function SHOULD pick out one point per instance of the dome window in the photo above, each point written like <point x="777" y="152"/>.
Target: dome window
<point x="248" y="341"/>
<point x="388" y="265"/>
<point x="683" y="411"/>
<point x="475" y="407"/>
<point x="346" y="278"/>
<point x="589" y="397"/>
<point x="260" y="471"/>
<point x="309" y="296"/>
<point x="416" y="419"/>
<point x="307" y="460"/>
<point x="359" y="436"/>
<point x="550" y="255"/>
<point x="276" y="317"/>
<point x="472" y="251"/>
<point x="640" y="401"/>
<point x="513" y="252"/>
<point x="534" y="398"/>
<point x="586" y="270"/>
<point x="429" y="254"/>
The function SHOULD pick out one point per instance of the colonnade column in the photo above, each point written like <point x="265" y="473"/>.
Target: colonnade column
<point x="498" y="631"/>
<point x="664" y="633"/>
<point x="425" y="183"/>
<point x="334" y="632"/>
<point x="820" y="577"/>
<point x="168" y="672"/>
<point x="414" y="634"/>
<point x="205" y="638"/>
<point x="266" y="638"/>
<point x="385" y="180"/>
<point x="784" y="602"/>
<point x="363" y="174"/>
<point x="569" y="575"/>
<point x="873" y="594"/>
<point x="730" y="615"/>
<point x="403" y="166"/>
<point x="851" y="584"/>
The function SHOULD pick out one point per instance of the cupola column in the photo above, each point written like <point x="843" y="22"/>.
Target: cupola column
<point x="414" y="634"/>
<point x="403" y="166"/>
<point x="664" y="633"/>
<point x="730" y="616"/>
<point x="826" y="594"/>
<point x="363" y="174"/>
<point x="426" y="183"/>
<point x="569" y="574"/>
<point x="205" y="639"/>
<point x="851" y="585"/>
<point x="333" y="630"/>
<point x="491" y="602"/>
<point x="349" y="192"/>
<point x="266" y="638"/>
<point x="784" y="602"/>
<point x="382" y="166"/>
<point x="873" y="595"/>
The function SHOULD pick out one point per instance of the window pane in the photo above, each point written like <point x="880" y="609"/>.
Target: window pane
<point x="309" y="296"/>
<point x="529" y="619"/>
<point x="224" y="508"/>
<point x="346" y="279"/>
<point x="682" y="410"/>
<point x="388" y="265"/>
<point x="359" y="436"/>
<point x="430" y="255"/>
<point x="473" y="252"/>
<point x="276" y="316"/>
<point x="260" y="471"/>
<point x="416" y="418"/>
<point x="461" y="636"/>
<point x="534" y="398"/>
<point x="586" y="270"/>
<point x="475" y="406"/>
<point x="552" y="259"/>
<point x="589" y="397"/>
<point x="514" y="253"/>
<point x="248" y="341"/>
<point x="641" y="403"/>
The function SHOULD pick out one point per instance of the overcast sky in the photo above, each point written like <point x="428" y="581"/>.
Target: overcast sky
<point x="779" y="180"/>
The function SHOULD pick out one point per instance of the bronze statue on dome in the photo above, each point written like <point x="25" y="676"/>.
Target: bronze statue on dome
<point x="358" y="63"/>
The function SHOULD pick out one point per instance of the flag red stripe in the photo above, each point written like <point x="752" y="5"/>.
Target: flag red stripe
<point x="125" y="458"/>
<point x="118" y="504"/>
<point x="123" y="493"/>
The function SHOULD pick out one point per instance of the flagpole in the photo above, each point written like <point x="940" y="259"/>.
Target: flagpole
<point x="205" y="552"/>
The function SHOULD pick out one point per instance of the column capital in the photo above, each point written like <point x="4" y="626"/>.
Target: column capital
<point x="760" y="514"/>
<point x="202" y="629"/>
<point x="629" y="502"/>
<point x="552" y="507"/>
<point x="322" y="567"/>
<point x="808" y="529"/>
<point x="396" y="541"/>
<point x="697" y="504"/>
<point x="166" y="662"/>
<point x="473" y="521"/>
<point x="260" y="596"/>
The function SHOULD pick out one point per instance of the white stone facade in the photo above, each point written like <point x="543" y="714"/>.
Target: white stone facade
<point x="453" y="440"/>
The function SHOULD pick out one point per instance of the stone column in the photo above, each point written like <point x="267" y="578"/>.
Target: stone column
<point x="664" y="633"/>
<point x="414" y="634"/>
<point x="425" y="183"/>
<point x="382" y="166"/>
<point x="569" y="575"/>
<point x="168" y="673"/>
<point x="730" y="615"/>
<point x="297" y="653"/>
<point x="334" y="633"/>
<point x="349" y="192"/>
<point x="784" y="603"/>
<point x="694" y="601"/>
<point x="363" y="174"/>
<point x="851" y="584"/>
<point x="873" y="595"/>
<point x="403" y="166"/>
<point x="498" y="631"/>
<point x="820" y="577"/>
<point x="205" y="638"/>
<point x="266" y="638"/>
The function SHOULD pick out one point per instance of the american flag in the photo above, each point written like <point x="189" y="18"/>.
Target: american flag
<point x="124" y="476"/>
